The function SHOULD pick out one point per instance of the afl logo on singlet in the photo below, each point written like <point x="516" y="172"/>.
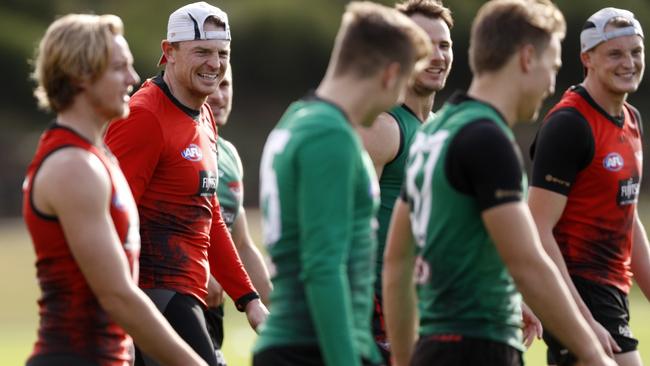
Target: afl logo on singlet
<point x="613" y="162"/>
<point x="192" y="153"/>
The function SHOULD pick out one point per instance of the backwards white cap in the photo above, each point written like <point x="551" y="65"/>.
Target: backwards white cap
<point x="187" y="23"/>
<point x="594" y="33"/>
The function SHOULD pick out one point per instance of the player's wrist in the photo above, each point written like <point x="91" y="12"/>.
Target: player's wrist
<point x="243" y="301"/>
<point x="256" y="313"/>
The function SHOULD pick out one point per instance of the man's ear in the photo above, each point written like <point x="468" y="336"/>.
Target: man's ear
<point x="390" y="75"/>
<point x="585" y="58"/>
<point x="527" y="55"/>
<point x="82" y="82"/>
<point x="168" y="50"/>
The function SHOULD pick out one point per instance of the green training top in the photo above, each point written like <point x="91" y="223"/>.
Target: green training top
<point x="390" y="182"/>
<point x="318" y="198"/>
<point x="230" y="190"/>
<point x="463" y="285"/>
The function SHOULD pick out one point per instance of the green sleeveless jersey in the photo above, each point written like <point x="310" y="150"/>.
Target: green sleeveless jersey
<point x="230" y="190"/>
<point x="390" y="182"/>
<point x="319" y="197"/>
<point x="463" y="285"/>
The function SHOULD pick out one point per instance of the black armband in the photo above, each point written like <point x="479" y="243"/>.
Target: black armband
<point x="241" y="303"/>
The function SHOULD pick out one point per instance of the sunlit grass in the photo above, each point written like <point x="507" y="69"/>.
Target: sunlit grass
<point x="18" y="312"/>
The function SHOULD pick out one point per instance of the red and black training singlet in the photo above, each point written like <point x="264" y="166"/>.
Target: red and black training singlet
<point x="72" y="322"/>
<point x="595" y="230"/>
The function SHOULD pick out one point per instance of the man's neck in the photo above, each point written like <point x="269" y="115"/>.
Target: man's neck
<point x="494" y="90"/>
<point x="81" y="118"/>
<point x="182" y="94"/>
<point x="612" y="103"/>
<point x="355" y="100"/>
<point x="421" y="105"/>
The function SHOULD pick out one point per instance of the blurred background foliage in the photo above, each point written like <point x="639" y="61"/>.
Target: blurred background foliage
<point x="280" y="51"/>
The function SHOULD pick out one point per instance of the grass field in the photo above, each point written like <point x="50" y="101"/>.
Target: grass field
<point x="18" y="312"/>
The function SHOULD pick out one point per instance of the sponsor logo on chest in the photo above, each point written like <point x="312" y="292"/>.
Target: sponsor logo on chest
<point x="192" y="153"/>
<point x="613" y="162"/>
<point x="628" y="190"/>
<point x="208" y="182"/>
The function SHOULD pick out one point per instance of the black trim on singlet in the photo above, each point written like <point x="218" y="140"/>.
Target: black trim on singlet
<point x="618" y="121"/>
<point x="401" y="132"/>
<point x="54" y="125"/>
<point x="312" y="97"/>
<point x="38" y="213"/>
<point x="401" y="137"/>
<point x="408" y="109"/>
<point x="160" y="82"/>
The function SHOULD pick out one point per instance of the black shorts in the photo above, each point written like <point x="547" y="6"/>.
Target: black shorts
<point x="185" y="314"/>
<point x="379" y="329"/>
<point x="304" y="355"/>
<point x="214" y="321"/>
<point x="59" y="360"/>
<point x="610" y="307"/>
<point x="455" y="349"/>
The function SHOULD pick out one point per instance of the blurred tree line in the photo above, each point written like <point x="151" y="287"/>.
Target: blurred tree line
<point x="280" y="50"/>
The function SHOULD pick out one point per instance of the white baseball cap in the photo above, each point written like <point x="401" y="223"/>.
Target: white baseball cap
<point x="187" y="23"/>
<point x="594" y="33"/>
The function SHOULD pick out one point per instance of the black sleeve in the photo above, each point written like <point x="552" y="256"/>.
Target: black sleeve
<point x="401" y="137"/>
<point x="484" y="163"/>
<point x="563" y="147"/>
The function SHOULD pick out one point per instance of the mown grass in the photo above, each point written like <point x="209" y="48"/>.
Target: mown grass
<point x="18" y="312"/>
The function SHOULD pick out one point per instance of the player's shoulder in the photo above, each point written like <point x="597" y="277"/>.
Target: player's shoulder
<point x="481" y="133"/>
<point x="386" y="118"/>
<point x="322" y="119"/>
<point x="384" y="127"/>
<point x="382" y="139"/>
<point x="636" y="115"/>
<point x="146" y="109"/>
<point x="565" y="114"/>
<point x="228" y="147"/>
<point x="149" y="99"/>
<point x="73" y="167"/>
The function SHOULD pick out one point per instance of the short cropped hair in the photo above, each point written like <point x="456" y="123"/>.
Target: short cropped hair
<point x="75" y="47"/>
<point x="372" y="36"/>
<point x="429" y="8"/>
<point x="501" y="27"/>
<point x="620" y="22"/>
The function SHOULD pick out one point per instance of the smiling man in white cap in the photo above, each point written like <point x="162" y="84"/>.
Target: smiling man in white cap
<point x="166" y="148"/>
<point x="587" y="168"/>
